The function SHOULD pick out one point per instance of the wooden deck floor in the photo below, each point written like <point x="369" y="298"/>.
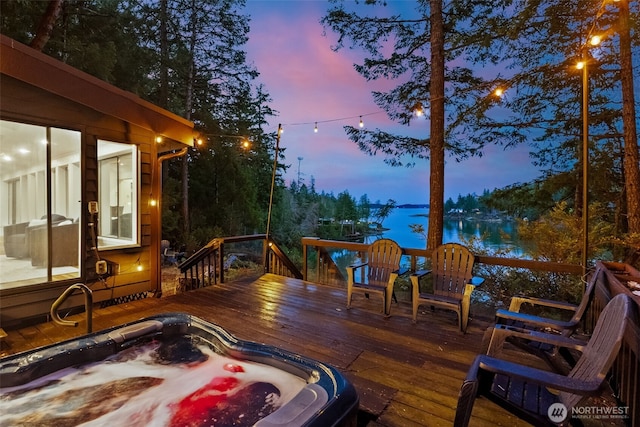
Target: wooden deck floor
<point x="406" y="374"/>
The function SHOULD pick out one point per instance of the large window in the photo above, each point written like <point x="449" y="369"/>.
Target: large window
<point x="40" y="237"/>
<point x="118" y="197"/>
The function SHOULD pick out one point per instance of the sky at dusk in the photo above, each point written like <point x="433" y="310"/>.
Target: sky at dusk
<point x="308" y="83"/>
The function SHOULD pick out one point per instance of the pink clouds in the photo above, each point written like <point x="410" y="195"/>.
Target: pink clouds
<point x="310" y="83"/>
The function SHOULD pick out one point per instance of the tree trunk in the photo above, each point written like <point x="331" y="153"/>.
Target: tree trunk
<point x="631" y="157"/>
<point x="436" y="91"/>
<point x="163" y="97"/>
<point x="45" y="28"/>
<point x="186" y="228"/>
<point x="164" y="57"/>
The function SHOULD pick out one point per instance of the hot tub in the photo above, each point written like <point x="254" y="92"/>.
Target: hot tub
<point x="171" y="370"/>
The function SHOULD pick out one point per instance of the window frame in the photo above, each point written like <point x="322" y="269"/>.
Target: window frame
<point x="113" y="151"/>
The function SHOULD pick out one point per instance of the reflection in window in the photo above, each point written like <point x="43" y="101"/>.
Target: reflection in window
<point x="40" y="237"/>
<point x="118" y="194"/>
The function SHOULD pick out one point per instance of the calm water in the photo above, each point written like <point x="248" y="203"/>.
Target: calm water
<point x="494" y="235"/>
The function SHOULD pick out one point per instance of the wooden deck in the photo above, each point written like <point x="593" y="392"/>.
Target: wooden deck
<point x="406" y="374"/>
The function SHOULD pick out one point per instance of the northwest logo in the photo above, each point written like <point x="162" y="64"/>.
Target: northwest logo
<point x="557" y="412"/>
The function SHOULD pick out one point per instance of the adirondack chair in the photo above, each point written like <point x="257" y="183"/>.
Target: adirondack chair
<point x="453" y="282"/>
<point x="524" y="390"/>
<point x="558" y="358"/>
<point x="378" y="273"/>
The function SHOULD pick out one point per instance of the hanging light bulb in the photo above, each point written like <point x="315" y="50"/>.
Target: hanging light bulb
<point x="315" y="128"/>
<point x="361" y="122"/>
<point x="417" y="109"/>
<point x="499" y="92"/>
<point x="139" y="266"/>
<point x="595" y="40"/>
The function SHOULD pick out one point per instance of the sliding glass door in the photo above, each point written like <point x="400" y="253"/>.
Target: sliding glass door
<point x="40" y="203"/>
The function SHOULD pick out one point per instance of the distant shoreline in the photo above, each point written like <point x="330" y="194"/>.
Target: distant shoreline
<point x="471" y="217"/>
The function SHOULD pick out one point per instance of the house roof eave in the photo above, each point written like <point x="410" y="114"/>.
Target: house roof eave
<point x="37" y="69"/>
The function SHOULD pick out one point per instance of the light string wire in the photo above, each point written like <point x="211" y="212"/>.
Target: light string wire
<point x="333" y="120"/>
<point x="601" y="10"/>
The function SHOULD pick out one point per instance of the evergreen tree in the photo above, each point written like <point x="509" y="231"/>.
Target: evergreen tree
<point x="203" y="75"/>
<point x="384" y="211"/>
<point x="346" y="209"/>
<point x="83" y="36"/>
<point x="542" y="44"/>
<point x="422" y="50"/>
<point x="449" y="205"/>
<point x="364" y="208"/>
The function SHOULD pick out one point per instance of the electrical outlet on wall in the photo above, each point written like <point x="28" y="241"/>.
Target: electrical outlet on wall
<point x="101" y="267"/>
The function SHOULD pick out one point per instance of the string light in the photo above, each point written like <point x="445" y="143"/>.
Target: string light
<point x="340" y="119"/>
<point x="418" y="109"/>
<point x="595" y="40"/>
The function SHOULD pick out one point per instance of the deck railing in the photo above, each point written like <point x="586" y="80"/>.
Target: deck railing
<point x="206" y="267"/>
<point x="624" y="377"/>
<point x="324" y="269"/>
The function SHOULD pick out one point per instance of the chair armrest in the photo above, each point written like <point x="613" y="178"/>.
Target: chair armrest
<point x="357" y="265"/>
<point x="536" y="376"/>
<point x="420" y="273"/>
<point x="472" y="285"/>
<point x="415" y="281"/>
<point x="517" y="301"/>
<point x="500" y="334"/>
<point x="351" y="272"/>
<point x="532" y="320"/>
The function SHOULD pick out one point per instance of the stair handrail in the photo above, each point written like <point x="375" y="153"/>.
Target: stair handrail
<point x="88" y="306"/>
<point x="216" y="247"/>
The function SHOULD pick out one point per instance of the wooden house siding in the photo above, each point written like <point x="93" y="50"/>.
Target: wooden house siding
<point x="40" y="90"/>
